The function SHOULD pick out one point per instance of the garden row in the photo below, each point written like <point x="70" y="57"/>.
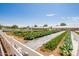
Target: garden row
<point x="67" y="47"/>
<point x="30" y="35"/>
<point x="77" y="33"/>
<point x="51" y="45"/>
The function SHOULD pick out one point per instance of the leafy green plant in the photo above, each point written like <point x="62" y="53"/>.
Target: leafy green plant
<point x="67" y="47"/>
<point x="30" y="35"/>
<point x="51" y="45"/>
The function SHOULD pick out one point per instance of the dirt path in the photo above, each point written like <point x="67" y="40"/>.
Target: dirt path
<point x="21" y="39"/>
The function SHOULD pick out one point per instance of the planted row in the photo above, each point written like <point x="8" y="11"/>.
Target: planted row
<point x="77" y="33"/>
<point x="67" y="47"/>
<point x="51" y="45"/>
<point x="20" y="33"/>
<point x="29" y="35"/>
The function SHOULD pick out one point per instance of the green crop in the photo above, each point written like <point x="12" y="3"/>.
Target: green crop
<point x="51" y="45"/>
<point x="30" y="35"/>
<point x="67" y="47"/>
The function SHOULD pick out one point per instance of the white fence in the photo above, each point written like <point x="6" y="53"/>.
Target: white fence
<point x="1" y="50"/>
<point x="17" y="48"/>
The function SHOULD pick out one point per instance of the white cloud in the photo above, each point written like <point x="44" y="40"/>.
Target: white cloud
<point x="50" y="15"/>
<point x="74" y="19"/>
<point x="71" y="20"/>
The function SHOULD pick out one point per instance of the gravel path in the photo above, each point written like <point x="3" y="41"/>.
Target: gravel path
<point x="76" y="43"/>
<point x="36" y="43"/>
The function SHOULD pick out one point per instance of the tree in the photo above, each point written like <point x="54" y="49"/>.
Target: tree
<point x="7" y="27"/>
<point x="45" y="25"/>
<point x="28" y="27"/>
<point x="14" y="26"/>
<point x="35" y="26"/>
<point x="62" y="24"/>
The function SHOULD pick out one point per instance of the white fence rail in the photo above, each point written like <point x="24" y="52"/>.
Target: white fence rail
<point x="17" y="48"/>
<point x="1" y="50"/>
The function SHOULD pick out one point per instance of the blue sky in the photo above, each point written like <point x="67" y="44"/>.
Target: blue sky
<point x="30" y="14"/>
